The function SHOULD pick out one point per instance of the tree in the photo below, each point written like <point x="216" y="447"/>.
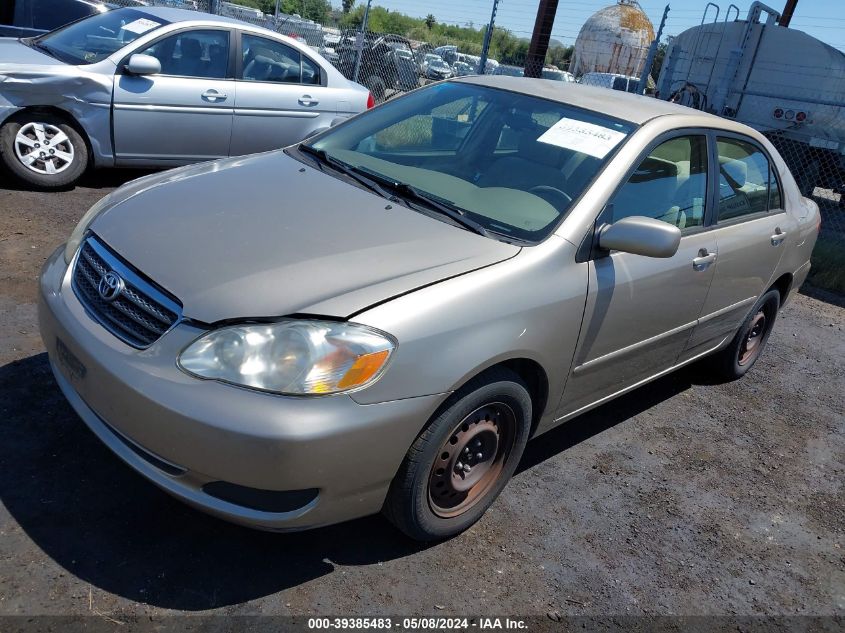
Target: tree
<point x="430" y="21"/>
<point x="347" y="5"/>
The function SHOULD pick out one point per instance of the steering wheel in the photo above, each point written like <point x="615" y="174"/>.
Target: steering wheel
<point x="551" y="192"/>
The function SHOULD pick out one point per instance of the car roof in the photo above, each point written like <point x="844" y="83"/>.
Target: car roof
<point x="625" y="106"/>
<point x="183" y="15"/>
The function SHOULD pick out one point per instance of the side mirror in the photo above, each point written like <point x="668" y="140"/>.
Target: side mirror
<point x="641" y="236"/>
<point x="143" y="65"/>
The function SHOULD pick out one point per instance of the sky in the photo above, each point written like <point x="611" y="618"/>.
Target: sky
<point x="823" y="19"/>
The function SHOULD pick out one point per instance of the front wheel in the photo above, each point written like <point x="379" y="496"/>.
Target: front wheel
<point x="43" y="151"/>
<point x="461" y="462"/>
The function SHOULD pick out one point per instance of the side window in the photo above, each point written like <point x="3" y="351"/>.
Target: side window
<point x="744" y="176"/>
<point x="774" y="190"/>
<point x="267" y="60"/>
<point x="310" y="71"/>
<point x="203" y="54"/>
<point x="670" y="184"/>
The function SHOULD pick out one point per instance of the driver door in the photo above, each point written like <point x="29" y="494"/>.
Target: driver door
<point x="183" y="114"/>
<point x="640" y="311"/>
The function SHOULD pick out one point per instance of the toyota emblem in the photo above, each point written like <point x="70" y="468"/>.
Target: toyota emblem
<point x="110" y="286"/>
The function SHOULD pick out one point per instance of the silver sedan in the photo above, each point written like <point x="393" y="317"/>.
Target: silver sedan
<point x="445" y="276"/>
<point x="159" y="87"/>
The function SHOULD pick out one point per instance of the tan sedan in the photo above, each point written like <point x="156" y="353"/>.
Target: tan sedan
<point x="380" y="317"/>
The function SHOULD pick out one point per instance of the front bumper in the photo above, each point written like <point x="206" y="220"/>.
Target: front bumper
<point x="182" y="433"/>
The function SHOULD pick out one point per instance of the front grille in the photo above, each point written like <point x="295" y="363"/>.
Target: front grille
<point x="139" y="314"/>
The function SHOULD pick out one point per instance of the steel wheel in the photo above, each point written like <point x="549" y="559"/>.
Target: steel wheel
<point x="44" y="148"/>
<point x="753" y="344"/>
<point x="471" y="460"/>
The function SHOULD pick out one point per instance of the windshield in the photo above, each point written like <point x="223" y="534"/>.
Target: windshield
<point x="510" y="162"/>
<point x="93" y="39"/>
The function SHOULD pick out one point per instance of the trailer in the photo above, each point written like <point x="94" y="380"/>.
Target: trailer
<point x="778" y="80"/>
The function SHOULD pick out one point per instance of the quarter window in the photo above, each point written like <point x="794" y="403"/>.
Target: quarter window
<point x="670" y="184"/>
<point x="203" y="54"/>
<point x="744" y="180"/>
<point x="266" y="60"/>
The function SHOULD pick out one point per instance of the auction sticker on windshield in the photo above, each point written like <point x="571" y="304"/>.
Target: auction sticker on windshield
<point x="140" y="26"/>
<point x="587" y="138"/>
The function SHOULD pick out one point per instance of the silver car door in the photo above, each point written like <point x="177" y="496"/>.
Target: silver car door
<point x="640" y="311"/>
<point x="281" y="96"/>
<point x="752" y="232"/>
<point x="183" y="114"/>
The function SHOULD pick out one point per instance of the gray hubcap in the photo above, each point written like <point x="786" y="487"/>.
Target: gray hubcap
<point x="43" y="148"/>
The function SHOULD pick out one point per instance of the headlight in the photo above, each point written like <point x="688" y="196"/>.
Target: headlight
<point x="78" y="234"/>
<point x="293" y="357"/>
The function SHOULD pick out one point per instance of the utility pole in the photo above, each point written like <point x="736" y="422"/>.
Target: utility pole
<point x="788" y="10"/>
<point x="482" y="65"/>
<point x="359" y="42"/>
<point x="540" y="38"/>
<point x="652" y="51"/>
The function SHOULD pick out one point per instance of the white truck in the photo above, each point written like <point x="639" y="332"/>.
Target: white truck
<point x="778" y="80"/>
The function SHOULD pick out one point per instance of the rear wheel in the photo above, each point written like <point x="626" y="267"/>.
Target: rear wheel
<point x="750" y="340"/>
<point x="43" y="150"/>
<point x="461" y="462"/>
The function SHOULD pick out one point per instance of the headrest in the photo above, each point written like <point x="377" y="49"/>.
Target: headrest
<point x="191" y="47"/>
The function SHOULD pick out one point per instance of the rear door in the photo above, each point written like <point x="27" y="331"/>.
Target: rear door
<point x="282" y="96"/>
<point x="751" y="227"/>
<point x="641" y="311"/>
<point x="183" y="114"/>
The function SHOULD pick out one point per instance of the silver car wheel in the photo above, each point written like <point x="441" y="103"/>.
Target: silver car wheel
<point x="44" y="148"/>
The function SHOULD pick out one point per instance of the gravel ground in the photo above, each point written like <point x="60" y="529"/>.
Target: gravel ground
<point x="681" y="498"/>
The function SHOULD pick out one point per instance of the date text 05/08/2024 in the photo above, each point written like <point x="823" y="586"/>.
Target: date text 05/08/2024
<point x="421" y="623"/>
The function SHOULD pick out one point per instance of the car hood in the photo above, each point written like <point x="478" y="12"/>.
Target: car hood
<point x="265" y="236"/>
<point x="13" y="54"/>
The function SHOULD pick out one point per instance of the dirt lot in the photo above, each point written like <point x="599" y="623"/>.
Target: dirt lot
<point x="681" y="498"/>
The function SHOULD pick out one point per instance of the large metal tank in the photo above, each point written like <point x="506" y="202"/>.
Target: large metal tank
<point x="614" y="40"/>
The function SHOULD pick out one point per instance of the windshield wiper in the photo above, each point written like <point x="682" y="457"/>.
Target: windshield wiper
<point x="458" y="215"/>
<point x="324" y="158"/>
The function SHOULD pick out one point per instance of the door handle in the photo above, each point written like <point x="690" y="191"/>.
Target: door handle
<point x="703" y="261"/>
<point x="778" y="237"/>
<point x="307" y="101"/>
<point x="213" y="94"/>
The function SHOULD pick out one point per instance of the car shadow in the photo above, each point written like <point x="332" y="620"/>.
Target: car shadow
<point x="92" y="179"/>
<point x="111" y="528"/>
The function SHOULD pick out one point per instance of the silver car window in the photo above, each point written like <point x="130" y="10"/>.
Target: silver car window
<point x="200" y="53"/>
<point x="744" y="175"/>
<point x="271" y="61"/>
<point x="670" y="184"/>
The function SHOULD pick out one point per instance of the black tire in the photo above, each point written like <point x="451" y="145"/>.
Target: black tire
<point x="734" y="361"/>
<point x="481" y="410"/>
<point x="71" y="144"/>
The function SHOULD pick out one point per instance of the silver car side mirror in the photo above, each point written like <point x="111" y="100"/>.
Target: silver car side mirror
<point x="641" y="236"/>
<point x="143" y="65"/>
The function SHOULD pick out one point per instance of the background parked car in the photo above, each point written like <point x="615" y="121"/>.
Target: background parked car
<point x="510" y="71"/>
<point x="611" y="80"/>
<point x="437" y="69"/>
<point x="462" y="69"/>
<point x="25" y="18"/>
<point x="180" y="91"/>
<point x="557" y="75"/>
<point x="382" y="68"/>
